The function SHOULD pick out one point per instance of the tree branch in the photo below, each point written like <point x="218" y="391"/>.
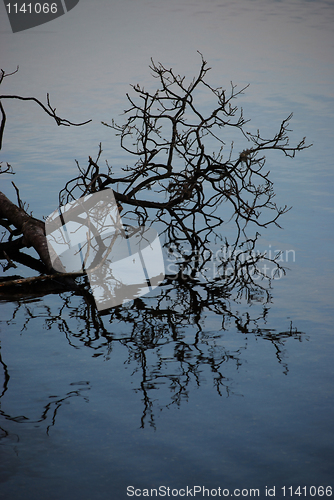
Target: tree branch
<point x="48" y="109"/>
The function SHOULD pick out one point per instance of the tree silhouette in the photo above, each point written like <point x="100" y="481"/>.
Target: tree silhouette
<point x="183" y="176"/>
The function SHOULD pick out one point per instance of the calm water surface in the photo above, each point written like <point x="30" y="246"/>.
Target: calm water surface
<point x="222" y="394"/>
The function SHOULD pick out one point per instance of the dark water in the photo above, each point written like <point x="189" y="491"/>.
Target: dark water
<point x="88" y="410"/>
<point x="205" y="389"/>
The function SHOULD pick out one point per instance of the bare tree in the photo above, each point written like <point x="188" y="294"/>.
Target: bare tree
<point x="184" y="171"/>
<point x="187" y="178"/>
<point x="184" y="175"/>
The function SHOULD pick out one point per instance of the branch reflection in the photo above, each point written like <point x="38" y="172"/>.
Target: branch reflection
<point x="166" y="337"/>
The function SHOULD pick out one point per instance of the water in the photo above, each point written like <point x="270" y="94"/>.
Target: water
<point x="210" y="391"/>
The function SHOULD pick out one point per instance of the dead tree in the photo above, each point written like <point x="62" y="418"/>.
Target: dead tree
<point x="184" y="175"/>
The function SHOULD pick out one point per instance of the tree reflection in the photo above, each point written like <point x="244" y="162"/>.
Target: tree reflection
<point x="166" y="337"/>
<point x="183" y="178"/>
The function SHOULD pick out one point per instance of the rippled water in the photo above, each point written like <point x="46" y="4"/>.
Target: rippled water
<point x="205" y="390"/>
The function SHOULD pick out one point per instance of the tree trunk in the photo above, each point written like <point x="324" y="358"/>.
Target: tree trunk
<point x="33" y="230"/>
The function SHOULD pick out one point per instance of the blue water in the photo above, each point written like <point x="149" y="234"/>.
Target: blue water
<point x="241" y="397"/>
